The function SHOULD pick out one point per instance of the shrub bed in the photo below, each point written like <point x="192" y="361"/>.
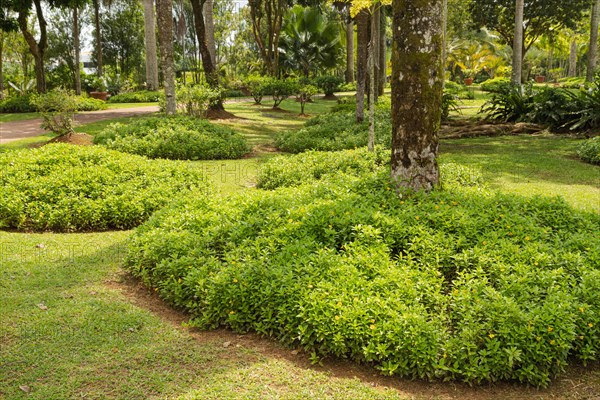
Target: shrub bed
<point x="177" y="138"/>
<point x="66" y="188"/>
<point x="24" y="104"/>
<point x="460" y="284"/>
<point x="589" y="150"/>
<point x="144" y="96"/>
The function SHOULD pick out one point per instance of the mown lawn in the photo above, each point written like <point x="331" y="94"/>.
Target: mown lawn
<point x="74" y="325"/>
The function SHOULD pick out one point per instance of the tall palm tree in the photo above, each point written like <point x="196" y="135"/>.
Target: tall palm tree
<point x="164" y="12"/>
<point x="593" y="53"/>
<point x="517" y="67"/>
<point x="151" y="53"/>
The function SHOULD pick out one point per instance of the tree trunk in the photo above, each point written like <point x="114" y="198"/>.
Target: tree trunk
<point x="164" y="11"/>
<point x="517" y="60"/>
<point x="349" y="51"/>
<point x="382" y="53"/>
<point x="209" y="25"/>
<point x="212" y="76"/>
<point x="362" y="28"/>
<point x="37" y="49"/>
<point x="593" y="53"/>
<point x="151" y="53"/>
<point x="445" y="40"/>
<point x="2" y="34"/>
<point x="416" y="93"/>
<point x="374" y="52"/>
<point x="98" y="33"/>
<point x="573" y="58"/>
<point x="77" y="50"/>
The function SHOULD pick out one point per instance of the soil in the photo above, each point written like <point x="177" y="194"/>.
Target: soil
<point x="578" y="383"/>
<point x="457" y="129"/>
<point x="219" y="115"/>
<point x="330" y="97"/>
<point x="77" y="139"/>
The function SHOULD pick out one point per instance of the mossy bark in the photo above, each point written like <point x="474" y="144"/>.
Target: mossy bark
<point x="362" y="33"/>
<point x="150" y="39"/>
<point x="164" y="12"/>
<point x="417" y="78"/>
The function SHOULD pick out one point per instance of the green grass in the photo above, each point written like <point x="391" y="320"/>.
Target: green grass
<point x="97" y="127"/>
<point x="18" y="117"/>
<point x="28" y="142"/>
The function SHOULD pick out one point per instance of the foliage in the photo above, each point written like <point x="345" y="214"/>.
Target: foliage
<point x="344" y="267"/>
<point x="94" y="83"/>
<point x="67" y="188"/>
<point x="310" y="42"/>
<point x="85" y="103"/>
<point x="329" y="84"/>
<point x="495" y="85"/>
<point x="304" y="95"/>
<point x="257" y="86"/>
<point x="335" y="131"/>
<point x="589" y="150"/>
<point x="195" y="101"/>
<point x="176" y="138"/>
<point x="280" y="89"/>
<point x="58" y="110"/>
<point x="143" y="96"/>
<point x="511" y="104"/>
<point x="17" y="104"/>
<point x="450" y="103"/>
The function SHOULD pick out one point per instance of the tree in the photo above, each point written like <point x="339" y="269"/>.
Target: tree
<point x="573" y="58"/>
<point x="362" y="29"/>
<point x="209" y="24"/>
<point x="417" y="75"/>
<point x="267" y="21"/>
<point x="517" y="65"/>
<point x="36" y="47"/>
<point x="150" y="40"/>
<point x="164" y="11"/>
<point x="98" y="35"/>
<point x="349" y="50"/>
<point x="593" y="52"/>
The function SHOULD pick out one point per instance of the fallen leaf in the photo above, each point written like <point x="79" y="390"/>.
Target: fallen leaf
<point x="25" y="388"/>
<point x="42" y="306"/>
<point x="226" y="344"/>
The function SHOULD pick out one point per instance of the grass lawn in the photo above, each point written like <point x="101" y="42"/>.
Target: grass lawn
<point x="74" y="325"/>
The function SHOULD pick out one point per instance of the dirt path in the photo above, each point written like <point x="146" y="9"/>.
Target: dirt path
<point x="11" y="131"/>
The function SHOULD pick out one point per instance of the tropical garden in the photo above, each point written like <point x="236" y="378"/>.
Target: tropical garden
<point x="366" y="199"/>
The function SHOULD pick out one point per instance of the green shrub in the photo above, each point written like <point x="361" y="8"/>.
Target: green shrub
<point x="194" y="101"/>
<point x="348" y="87"/>
<point x="335" y="131"/>
<point x="589" y="150"/>
<point x="495" y="85"/>
<point x="144" y="96"/>
<point x="58" y="110"/>
<point x="459" y="284"/>
<point x="450" y="103"/>
<point x="280" y="89"/>
<point x="511" y="104"/>
<point x="304" y="95"/>
<point x="329" y="84"/>
<point x="67" y="188"/>
<point x="257" y="86"/>
<point x="17" y="104"/>
<point x="176" y="138"/>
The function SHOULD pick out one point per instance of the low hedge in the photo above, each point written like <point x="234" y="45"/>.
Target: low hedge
<point x="589" y="150"/>
<point x="67" y="188"/>
<point x="23" y="104"/>
<point x="462" y="284"/>
<point x="143" y="96"/>
<point x="177" y="138"/>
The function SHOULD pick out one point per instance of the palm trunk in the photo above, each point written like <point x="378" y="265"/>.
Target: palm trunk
<point x="362" y="26"/>
<point x="593" y="53"/>
<point x="98" y="33"/>
<point x="573" y="58"/>
<point x="349" y="51"/>
<point x="382" y="53"/>
<point x="209" y="25"/>
<point x="517" y="70"/>
<point x="151" y="53"/>
<point x="164" y="11"/>
<point x="416" y="93"/>
<point x="77" y="50"/>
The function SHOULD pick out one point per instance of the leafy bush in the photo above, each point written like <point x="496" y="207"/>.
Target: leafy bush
<point x="450" y="102"/>
<point x="348" y="87"/>
<point x="511" y="104"/>
<point x="329" y="84"/>
<point x="58" y="110"/>
<point x="280" y="89"/>
<point x="304" y="95"/>
<point x="335" y="131"/>
<point x="459" y="284"/>
<point x="496" y="85"/>
<point x="589" y="150"/>
<point x="195" y="100"/>
<point x="257" y="86"/>
<point x="68" y="188"/>
<point x="85" y="103"/>
<point x="144" y="96"/>
<point x="176" y="138"/>
<point x="17" y="104"/>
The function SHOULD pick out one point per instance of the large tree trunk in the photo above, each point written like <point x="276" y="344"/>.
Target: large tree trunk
<point x="209" y="25"/>
<point x="593" y="53"/>
<point x="37" y="49"/>
<point x="445" y="39"/>
<point x="416" y="93"/>
<point x="349" y="51"/>
<point x="362" y="28"/>
<point x="374" y="52"/>
<point x="164" y="11"/>
<point x="212" y="76"/>
<point x="517" y="60"/>
<point x="151" y="53"/>
<point x="382" y="53"/>
<point x="98" y="34"/>
<point x="573" y="58"/>
<point x="2" y="34"/>
<point x="77" y="50"/>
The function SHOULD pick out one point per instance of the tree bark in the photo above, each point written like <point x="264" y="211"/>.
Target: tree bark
<point x="374" y="51"/>
<point x="349" y="51"/>
<point x="98" y="34"/>
<point x="151" y="53"/>
<point x="209" y="25"/>
<point x="593" y="53"/>
<point x="382" y="53"/>
<point x="164" y="11"/>
<point x="517" y="60"/>
<point x="77" y="50"/>
<point x="445" y="43"/>
<point x="416" y="93"/>
<point x="362" y="28"/>
<point x="573" y="58"/>
<point x="37" y="49"/>
<point x="2" y="34"/>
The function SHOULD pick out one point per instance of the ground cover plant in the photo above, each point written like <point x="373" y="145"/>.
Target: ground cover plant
<point x="24" y="104"/>
<point x="143" y="96"/>
<point x="177" y="138"/>
<point x="464" y="283"/>
<point x="589" y="150"/>
<point x="67" y="188"/>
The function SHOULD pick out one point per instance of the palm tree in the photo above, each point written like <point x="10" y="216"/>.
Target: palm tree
<point x="309" y="41"/>
<point x="593" y="53"/>
<point x="164" y="11"/>
<point x="150" y="38"/>
<point x="517" y="67"/>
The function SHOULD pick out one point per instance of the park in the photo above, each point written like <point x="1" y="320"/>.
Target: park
<point x="279" y="199"/>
